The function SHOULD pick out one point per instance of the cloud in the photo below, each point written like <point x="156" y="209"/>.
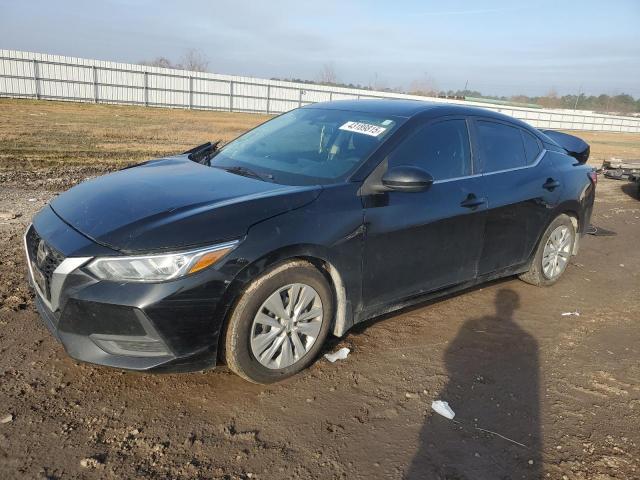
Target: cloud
<point x="502" y="47"/>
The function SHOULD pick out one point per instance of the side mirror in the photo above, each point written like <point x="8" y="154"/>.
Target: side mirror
<point x="406" y="178"/>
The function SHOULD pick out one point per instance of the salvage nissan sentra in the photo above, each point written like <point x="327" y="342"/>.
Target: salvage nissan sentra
<point x="318" y="219"/>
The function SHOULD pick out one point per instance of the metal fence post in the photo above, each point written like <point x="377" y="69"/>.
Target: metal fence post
<point x="190" y="92"/>
<point x="330" y="96"/>
<point x="146" y="89"/>
<point x="268" y="97"/>
<point x="300" y="98"/>
<point x="95" y="84"/>
<point x="231" y="96"/>
<point x="36" y="78"/>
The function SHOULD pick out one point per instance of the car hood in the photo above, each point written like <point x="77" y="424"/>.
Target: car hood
<point x="173" y="203"/>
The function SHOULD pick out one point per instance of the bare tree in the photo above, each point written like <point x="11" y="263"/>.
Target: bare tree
<point x="194" y="60"/>
<point x="550" y="100"/>
<point x="379" y="84"/>
<point x="425" y="86"/>
<point x="519" y="98"/>
<point x="162" y="62"/>
<point x="327" y="75"/>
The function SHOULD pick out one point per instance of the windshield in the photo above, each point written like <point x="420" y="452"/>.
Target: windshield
<point x="307" y="146"/>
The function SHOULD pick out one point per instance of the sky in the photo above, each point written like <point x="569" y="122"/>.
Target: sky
<point x="497" y="47"/>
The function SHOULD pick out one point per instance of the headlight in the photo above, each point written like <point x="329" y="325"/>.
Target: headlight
<point x="158" y="268"/>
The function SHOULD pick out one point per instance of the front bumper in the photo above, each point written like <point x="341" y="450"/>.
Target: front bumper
<point x="85" y="348"/>
<point x="167" y="326"/>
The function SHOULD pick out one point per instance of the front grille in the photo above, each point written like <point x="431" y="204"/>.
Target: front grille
<point x="47" y="262"/>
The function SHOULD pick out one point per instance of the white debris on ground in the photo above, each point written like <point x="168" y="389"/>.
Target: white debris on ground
<point x="90" y="463"/>
<point x="569" y="314"/>
<point x="443" y="409"/>
<point x="8" y="215"/>
<point x="339" y="355"/>
<point x="7" y="418"/>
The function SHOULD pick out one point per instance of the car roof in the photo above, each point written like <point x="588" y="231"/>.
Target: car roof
<point x="398" y="108"/>
<point x="411" y="108"/>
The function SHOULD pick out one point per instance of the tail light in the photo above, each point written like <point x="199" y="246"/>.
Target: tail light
<point x="594" y="177"/>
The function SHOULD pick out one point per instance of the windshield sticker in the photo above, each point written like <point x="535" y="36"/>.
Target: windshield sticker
<point x="387" y="122"/>
<point x="365" y="128"/>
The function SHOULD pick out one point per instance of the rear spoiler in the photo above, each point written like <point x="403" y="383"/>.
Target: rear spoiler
<point x="576" y="147"/>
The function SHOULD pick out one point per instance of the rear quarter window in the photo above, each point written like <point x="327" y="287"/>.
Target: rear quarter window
<point x="501" y="146"/>
<point x="531" y="147"/>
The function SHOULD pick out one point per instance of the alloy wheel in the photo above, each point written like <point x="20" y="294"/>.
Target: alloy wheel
<point x="557" y="252"/>
<point x="286" y="326"/>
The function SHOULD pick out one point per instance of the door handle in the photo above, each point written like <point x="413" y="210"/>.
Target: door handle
<point x="472" y="201"/>
<point x="551" y="184"/>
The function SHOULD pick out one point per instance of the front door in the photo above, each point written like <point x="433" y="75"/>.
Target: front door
<point x="422" y="241"/>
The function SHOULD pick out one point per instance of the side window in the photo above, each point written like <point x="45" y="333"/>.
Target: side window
<point x="531" y="147"/>
<point x="442" y="149"/>
<point x="500" y="146"/>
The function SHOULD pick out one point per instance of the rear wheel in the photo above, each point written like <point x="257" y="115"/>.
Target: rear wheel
<point x="279" y="324"/>
<point x="553" y="253"/>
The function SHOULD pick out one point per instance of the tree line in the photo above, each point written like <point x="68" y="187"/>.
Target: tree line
<point x="622" y="103"/>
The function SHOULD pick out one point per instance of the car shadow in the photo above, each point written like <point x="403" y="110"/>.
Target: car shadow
<point x="493" y="385"/>
<point x="632" y="189"/>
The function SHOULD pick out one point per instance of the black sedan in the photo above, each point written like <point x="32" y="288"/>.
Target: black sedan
<point x="316" y="220"/>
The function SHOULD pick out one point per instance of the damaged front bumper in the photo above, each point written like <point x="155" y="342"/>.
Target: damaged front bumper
<point x="165" y="326"/>
<point x="131" y="352"/>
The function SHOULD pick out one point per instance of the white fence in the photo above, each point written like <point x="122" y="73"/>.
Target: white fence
<point x="55" y="77"/>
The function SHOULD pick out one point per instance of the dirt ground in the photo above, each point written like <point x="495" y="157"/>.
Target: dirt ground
<point x="561" y="393"/>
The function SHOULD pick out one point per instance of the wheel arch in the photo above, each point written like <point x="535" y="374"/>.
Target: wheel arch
<point x="317" y="257"/>
<point x="571" y="211"/>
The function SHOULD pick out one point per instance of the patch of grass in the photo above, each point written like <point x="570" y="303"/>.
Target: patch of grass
<point x="36" y="134"/>
<point x="605" y="145"/>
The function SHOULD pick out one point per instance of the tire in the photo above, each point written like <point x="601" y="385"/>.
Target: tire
<point x="255" y="321"/>
<point x="537" y="274"/>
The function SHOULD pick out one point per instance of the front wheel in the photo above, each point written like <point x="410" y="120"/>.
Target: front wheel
<point x="279" y="324"/>
<point x="553" y="253"/>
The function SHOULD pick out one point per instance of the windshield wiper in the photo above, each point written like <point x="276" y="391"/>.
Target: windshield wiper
<point x="246" y="172"/>
<point x="203" y="153"/>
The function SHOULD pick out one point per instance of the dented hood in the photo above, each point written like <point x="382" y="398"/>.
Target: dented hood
<point x="173" y="203"/>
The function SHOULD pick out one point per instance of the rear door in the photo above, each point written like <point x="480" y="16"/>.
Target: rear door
<point x="521" y="187"/>
<point x="421" y="241"/>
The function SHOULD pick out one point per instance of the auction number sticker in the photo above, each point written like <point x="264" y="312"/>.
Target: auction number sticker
<point x="365" y="128"/>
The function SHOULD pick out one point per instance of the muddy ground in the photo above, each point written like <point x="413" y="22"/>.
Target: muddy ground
<point x="566" y="387"/>
<point x="563" y="392"/>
